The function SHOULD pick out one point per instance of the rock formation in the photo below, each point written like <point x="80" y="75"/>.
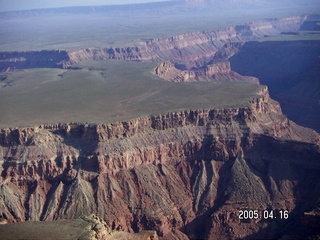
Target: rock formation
<point x="165" y="173"/>
<point x="218" y="72"/>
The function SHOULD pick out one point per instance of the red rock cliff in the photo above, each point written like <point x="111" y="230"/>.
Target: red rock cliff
<point x="170" y="173"/>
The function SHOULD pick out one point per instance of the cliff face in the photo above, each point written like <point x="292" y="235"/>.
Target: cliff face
<point x="191" y="50"/>
<point x="197" y="49"/>
<point x="124" y="54"/>
<point x="166" y="173"/>
<point x="9" y="61"/>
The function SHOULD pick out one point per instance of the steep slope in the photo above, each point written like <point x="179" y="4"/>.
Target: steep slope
<point x="166" y="173"/>
<point x="194" y="50"/>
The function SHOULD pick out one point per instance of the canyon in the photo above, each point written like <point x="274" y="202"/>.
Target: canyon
<point x="179" y="173"/>
<point x="219" y="55"/>
<point x="167" y="172"/>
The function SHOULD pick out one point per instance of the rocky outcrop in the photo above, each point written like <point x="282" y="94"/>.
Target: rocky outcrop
<point x="168" y="71"/>
<point x="165" y="173"/>
<point x="218" y="72"/>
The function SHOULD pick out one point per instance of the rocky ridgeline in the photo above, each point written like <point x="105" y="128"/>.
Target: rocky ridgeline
<point x="218" y="72"/>
<point x="170" y="173"/>
<point x="191" y="50"/>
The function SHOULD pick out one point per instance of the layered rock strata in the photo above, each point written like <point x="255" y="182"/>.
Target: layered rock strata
<point x="169" y="173"/>
<point x="194" y="50"/>
<point x="218" y="72"/>
<point x="190" y="50"/>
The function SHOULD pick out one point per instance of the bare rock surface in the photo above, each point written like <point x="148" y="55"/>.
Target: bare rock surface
<point x="182" y="174"/>
<point x="217" y="72"/>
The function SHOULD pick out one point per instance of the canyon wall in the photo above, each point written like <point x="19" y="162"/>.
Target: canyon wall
<point x="187" y="51"/>
<point x="292" y="75"/>
<point x="170" y="173"/>
<point x="196" y="49"/>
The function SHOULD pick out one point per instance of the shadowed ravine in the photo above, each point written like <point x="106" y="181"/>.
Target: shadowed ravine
<point x="292" y="73"/>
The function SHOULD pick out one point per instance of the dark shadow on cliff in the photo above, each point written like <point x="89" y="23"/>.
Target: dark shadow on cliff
<point x="32" y="59"/>
<point x="74" y="166"/>
<point x="291" y="71"/>
<point x="196" y="229"/>
<point x="297" y="162"/>
<point x="274" y="162"/>
<point x="85" y="140"/>
<point x="302" y="223"/>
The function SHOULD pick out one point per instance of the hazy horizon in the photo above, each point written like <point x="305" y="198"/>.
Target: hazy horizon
<point x="18" y="5"/>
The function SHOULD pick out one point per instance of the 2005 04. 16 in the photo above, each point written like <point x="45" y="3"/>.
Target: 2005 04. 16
<point x="262" y="214"/>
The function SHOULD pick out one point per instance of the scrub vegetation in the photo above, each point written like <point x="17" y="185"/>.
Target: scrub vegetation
<point x="107" y="91"/>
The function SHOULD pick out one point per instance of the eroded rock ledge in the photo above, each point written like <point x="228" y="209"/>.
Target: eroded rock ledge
<point x="218" y="72"/>
<point x="169" y="173"/>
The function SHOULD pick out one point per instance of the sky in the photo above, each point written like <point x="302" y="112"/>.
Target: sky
<point x="13" y="5"/>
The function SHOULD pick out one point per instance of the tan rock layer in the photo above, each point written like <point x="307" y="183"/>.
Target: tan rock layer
<point x="218" y="72"/>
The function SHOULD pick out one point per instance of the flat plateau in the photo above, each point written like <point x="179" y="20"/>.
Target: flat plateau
<point x="107" y="91"/>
